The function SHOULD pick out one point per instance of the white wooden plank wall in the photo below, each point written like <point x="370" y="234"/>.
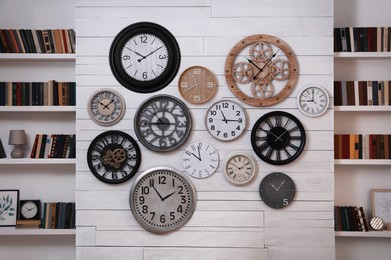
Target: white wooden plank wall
<point x="229" y="222"/>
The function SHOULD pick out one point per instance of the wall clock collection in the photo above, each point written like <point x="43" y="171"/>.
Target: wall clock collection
<point x="260" y="70"/>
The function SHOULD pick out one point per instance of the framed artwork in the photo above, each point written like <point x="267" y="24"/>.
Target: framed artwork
<point x="9" y="201"/>
<point x="381" y="204"/>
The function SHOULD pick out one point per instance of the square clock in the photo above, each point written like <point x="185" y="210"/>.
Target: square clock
<point x="30" y="209"/>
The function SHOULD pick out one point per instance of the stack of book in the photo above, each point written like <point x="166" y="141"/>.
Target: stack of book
<point x="362" y="93"/>
<point x="362" y="39"/>
<point x="58" y="215"/>
<point x="54" y="146"/>
<point x="360" y="146"/>
<point x="350" y="218"/>
<point x="37" y="41"/>
<point x="51" y="93"/>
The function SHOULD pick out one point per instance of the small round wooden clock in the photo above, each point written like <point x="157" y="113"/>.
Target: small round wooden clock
<point x="144" y="57"/>
<point x="162" y="200"/>
<point x="261" y="70"/>
<point x="197" y="84"/>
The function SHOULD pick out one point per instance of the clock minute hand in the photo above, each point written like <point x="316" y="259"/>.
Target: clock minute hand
<point x="261" y="69"/>
<point x="107" y="105"/>
<point x="144" y="57"/>
<point x="139" y="54"/>
<point x="160" y="196"/>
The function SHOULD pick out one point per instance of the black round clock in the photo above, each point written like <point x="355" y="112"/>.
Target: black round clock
<point x="144" y="57"/>
<point x="277" y="190"/>
<point x="113" y="157"/>
<point x="162" y="123"/>
<point x="278" y="138"/>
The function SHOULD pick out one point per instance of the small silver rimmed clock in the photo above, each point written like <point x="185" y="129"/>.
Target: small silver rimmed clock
<point x="313" y="100"/>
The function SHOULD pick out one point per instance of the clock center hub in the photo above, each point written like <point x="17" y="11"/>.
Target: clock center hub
<point x="164" y="123"/>
<point x="113" y="157"/>
<point x="278" y="137"/>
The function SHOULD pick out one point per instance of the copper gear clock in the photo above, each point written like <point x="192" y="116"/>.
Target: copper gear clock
<point x="261" y="70"/>
<point x="144" y="57"/>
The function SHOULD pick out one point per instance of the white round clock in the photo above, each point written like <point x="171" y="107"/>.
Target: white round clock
<point x="240" y="168"/>
<point x="225" y="120"/>
<point x="200" y="160"/>
<point x="106" y="106"/>
<point x="313" y="100"/>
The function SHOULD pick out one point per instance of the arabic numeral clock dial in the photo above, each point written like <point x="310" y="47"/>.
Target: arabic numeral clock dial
<point x="261" y="70"/>
<point x="106" y="107"/>
<point x="113" y="157"/>
<point x="200" y="160"/>
<point x="197" y="84"/>
<point x="313" y="100"/>
<point x="278" y="138"/>
<point x="225" y="120"/>
<point x="277" y="190"/>
<point x="162" y="200"/>
<point x="240" y="168"/>
<point x="144" y="57"/>
<point x="162" y="123"/>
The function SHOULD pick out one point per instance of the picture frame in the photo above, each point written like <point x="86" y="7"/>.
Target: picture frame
<point x="381" y="204"/>
<point x="9" y="201"/>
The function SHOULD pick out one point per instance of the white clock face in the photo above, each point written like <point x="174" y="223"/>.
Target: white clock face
<point x="240" y="168"/>
<point x="106" y="107"/>
<point x="200" y="160"/>
<point x="313" y="101"/>
<point x="162" y="200"/>
<point x="29" y="210"/>
<point x="150" y="54"/>
<point x="225" y="120"/>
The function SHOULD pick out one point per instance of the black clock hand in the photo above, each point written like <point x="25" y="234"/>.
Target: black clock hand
<point x="158" y="193"/>
<point x="144" y="57"/>
<point x="253" y="63"/>
<point x="260" y="70"/>
<point x="107" y="106"/>
<point x="169" y="195"/>
<point x="139" y="54"/>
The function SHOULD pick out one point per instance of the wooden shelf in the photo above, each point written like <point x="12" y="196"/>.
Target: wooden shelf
<point x="37" y="109"/>
<point x="362" y="108"/>
<point x="41" y="161"/>
<point x="384" y="234"/>
<point x="362" y="162"/>
<point x="362" y="55"/>
<point x="11" y="231"/>
<point x="38" y="56"/>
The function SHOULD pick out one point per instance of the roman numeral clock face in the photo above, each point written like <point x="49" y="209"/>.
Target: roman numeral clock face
<point x="278" y="138"/>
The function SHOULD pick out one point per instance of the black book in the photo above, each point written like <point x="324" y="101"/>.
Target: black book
<point x="2" y="152"/>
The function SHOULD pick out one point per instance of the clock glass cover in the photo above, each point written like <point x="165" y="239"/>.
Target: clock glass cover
<point x="200" y="160"/>
<point x="313" y="100"/>
<point x="240" y="168"/>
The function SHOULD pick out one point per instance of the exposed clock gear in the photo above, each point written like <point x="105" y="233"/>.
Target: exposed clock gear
<point x="243" y="72"/>
<point x="261" y="51"/>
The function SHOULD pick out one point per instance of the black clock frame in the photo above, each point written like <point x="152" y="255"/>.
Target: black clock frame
<point x="278" y="131"/>
<point x="104" y="146"/>
<point x="169" y="73"/>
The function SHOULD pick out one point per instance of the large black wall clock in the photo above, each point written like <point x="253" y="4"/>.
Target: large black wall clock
<point x="162" y="123"/>
<point x="144" y="57"/>
<point x="113" y="157"/>
<point x="278" y="137"/>
<point x="277" y="190"/>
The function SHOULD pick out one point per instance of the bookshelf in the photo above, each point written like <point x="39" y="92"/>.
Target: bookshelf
<point x="354" y="179"/>
<point x="48" y="180"/>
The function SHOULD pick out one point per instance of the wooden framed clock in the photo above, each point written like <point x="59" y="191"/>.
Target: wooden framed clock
<point x="278" y="137"/>
<point x="162" y="200"/>
<point x="200" y="159"/>
<point x="113" y="157"/>
<point x="197" y="84"/>
<point x="106" y="107"/>
<point x="162" y="123"/>
<point x="225" y="120"/>
<point x="261" y="70"/>
<point x="144" y="57"/>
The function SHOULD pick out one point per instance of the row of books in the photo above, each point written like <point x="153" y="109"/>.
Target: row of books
<point x="54" y="146"/>
<point x="362" y="146"/>
<point x="362" y="93"/>
<point x="51" y="93"/>
<point x="58" y="215"/>
<point x="362" y="39"/>
<point x="350" y="218"/>
<point x="37" y="41"/>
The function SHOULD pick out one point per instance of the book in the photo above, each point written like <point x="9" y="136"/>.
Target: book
<point x="2" y="152"/>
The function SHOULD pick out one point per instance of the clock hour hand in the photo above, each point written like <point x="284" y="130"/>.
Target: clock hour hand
<point x="274" y="187"/>
<point x="107" y="105"/>
<point x="139" y="54"/>
<point x="169" y="195"/>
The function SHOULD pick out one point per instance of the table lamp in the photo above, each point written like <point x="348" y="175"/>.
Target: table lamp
<point x="17" y="138"/>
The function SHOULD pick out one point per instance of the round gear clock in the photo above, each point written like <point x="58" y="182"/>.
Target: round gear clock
<point x="261" y="70"/>
<point x="162" y="123"/>
<point x="144" y="57"/>
<point x="277" y="190"/>
<point x="106" y="107"/>
<point x="162" y="200"/>
<point x="278" y="137"/>
<point x="113" y="157"/>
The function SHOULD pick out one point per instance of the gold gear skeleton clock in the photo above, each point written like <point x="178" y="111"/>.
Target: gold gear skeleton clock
<point x="261" y="70"/>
